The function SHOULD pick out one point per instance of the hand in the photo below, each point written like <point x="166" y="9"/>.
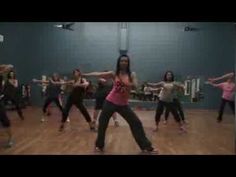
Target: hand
<point x="102" y="80"/>
<point x="211" y="80"/>
<point x="34" y="80"/>
<point x="70" y="82"/>
<point x="10" y="66"/>
<point x="126" y="83"/>
<point x="83" y="74"/>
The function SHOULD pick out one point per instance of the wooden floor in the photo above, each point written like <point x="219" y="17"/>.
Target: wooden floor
<point x="204" y="136"/>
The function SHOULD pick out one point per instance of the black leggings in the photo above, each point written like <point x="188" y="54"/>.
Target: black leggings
<point x="222" y="107"/>
<point x="132" y="119"/>
<point x="79" y="104"/>
<point x="179" y="108"/>
<point x="16" y="102"/>
<point x="52" y="99"/>
<point x="3" y="116"/>
<point x="170" y="106"/>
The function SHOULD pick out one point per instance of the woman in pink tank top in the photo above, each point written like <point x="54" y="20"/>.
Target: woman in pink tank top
<point x="228" y="89"/>
<point x="117" y="101"/>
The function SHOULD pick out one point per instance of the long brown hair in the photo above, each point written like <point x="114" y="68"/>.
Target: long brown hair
<point x="127" y="69"/>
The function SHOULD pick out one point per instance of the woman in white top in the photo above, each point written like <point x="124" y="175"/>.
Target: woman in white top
<point x="166" y="98"/>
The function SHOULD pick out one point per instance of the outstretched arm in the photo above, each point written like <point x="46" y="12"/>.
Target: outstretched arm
<point x="61" y="82"/>
<point x="226" y="76"/>
<point x="155" y="89"/>
<point x="215" y="85"/>
<point x="40" y="81"/>
<point x="109" y="74"/>
<point x="179" y="85"/>
<point x="159" y="84"/>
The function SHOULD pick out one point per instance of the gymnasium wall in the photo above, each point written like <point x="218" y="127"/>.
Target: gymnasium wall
<point x="40" y="48"/>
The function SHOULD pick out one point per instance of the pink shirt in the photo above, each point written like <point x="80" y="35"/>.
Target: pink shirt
<point x="119" y="94"/>
<point x="228" y="90"/>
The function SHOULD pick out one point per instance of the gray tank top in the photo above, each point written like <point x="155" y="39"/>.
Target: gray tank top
<point x="168" y="92"/>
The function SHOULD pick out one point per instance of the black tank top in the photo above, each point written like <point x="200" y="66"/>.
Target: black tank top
<point x="78" y="92"/>
<point x="9" y="90"/>
<point x="1" y="79"/>
<point x="103" y="89"/>
<point x="53" y="90"/>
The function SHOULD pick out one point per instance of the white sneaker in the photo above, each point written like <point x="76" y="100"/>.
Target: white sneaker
<point x="182" y="129"/>
<point x="153" y="151"/>
<point x="42" y="120"/>
<point x="156" y="129"/>
<point x="68" y="120"/>
<point x="9" y="144"/>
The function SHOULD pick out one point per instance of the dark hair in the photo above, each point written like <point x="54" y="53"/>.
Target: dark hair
<point x="1" y="79"/>
<point x="53" y="78"/>
<point x="165" y="76"/>
<point x="9" y="75"/>
<point x="118" y="65"/>
<point x="76" y="70"/>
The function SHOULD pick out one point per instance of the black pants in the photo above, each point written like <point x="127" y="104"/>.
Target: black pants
<point x="99" y="101"/>
<point x="132" y="119"/>
<point x="50" y="100"/>
<point x="15" y="101"/>
<point x="179" y="108"/>
<point x="149" y="97"/>
<point x="3" y="116"/>
<point x="79" y="104"/>
<point x="222" y="107"/>
<point x="156" y="98"/>
<point x="168" y="105"/>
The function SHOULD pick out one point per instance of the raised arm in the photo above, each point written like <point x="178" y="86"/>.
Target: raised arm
<point x="109" y="74"/>
<point x="226" y="76"/>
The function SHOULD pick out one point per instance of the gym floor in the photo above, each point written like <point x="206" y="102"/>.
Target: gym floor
<point x="204" y="137"/>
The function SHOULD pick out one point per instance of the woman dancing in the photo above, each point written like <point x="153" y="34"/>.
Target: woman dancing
<point x="117" y="101"/>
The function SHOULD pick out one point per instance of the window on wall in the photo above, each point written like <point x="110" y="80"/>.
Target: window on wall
<point x="1" y="38"/>
<point x="123" y="38"/>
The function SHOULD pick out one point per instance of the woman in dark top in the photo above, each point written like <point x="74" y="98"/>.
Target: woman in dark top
<point x="52" y="93"/>
<point x="11" y="92"/>
<point x="76" y="98"/>
<point x="103" y="89"/>
<point x="3" y="116"/>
